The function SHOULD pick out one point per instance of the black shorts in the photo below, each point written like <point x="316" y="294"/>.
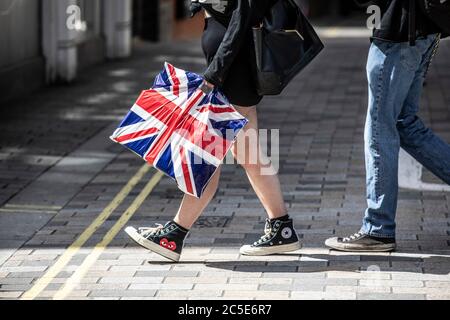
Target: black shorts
<point x="239" y="86"/>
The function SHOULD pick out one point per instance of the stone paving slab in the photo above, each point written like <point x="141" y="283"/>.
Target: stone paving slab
<point x="321" y="117"/>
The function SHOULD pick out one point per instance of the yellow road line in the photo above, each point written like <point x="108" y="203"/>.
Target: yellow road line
<point x="43" y="282"/>
<point x="79" y="274"/>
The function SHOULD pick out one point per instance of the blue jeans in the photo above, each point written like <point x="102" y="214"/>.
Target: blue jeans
<point x="396" y="74"/>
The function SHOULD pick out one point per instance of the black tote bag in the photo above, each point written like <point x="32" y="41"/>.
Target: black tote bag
<point x="285" y="44"/>
<point x="438" y="11"/>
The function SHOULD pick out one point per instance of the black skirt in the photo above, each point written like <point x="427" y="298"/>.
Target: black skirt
<point x="239" y="86"/>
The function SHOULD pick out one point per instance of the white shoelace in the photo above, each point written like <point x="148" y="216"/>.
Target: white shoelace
<point x="145" y="232"/>
<point x="268" y="233"/>
<point x="353" y="237"/>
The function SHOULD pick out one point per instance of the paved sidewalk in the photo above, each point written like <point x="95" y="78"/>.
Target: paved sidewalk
<point x="59" y="171"/>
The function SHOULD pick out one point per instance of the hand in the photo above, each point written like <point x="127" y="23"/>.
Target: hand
<point x="209" y="85"/>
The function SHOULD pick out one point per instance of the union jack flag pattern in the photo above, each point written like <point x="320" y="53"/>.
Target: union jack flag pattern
<point x="180" y="130"/>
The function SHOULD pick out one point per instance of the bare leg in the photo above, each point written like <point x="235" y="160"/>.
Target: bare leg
<point x="267" y="187"/>
<point x="191" y="207"/>
<point x="168" y="240"/>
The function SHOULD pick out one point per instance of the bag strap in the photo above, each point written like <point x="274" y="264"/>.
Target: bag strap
<point x="271" y="4"/>
<point x="435" y="50"/>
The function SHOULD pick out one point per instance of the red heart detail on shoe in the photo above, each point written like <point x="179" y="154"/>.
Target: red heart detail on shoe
<point x="168" y="245"/>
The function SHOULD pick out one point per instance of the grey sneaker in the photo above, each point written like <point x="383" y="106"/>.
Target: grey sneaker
<point x="362" y="242"/>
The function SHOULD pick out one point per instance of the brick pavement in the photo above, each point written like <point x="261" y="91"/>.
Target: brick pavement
<point x="58" y="171"/>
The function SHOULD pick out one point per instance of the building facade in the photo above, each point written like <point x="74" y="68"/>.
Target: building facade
<point x="45" y="41"/>
<point x="21" y="59"/>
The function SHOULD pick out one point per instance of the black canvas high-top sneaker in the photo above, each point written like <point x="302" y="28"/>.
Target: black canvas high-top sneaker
<point x="280" y="237"/>
<point x="167" y="240"/>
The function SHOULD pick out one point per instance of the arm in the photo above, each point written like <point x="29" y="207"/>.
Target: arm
<point x="231" y="44"/>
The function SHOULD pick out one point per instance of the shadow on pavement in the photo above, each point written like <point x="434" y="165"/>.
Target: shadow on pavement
<point x="313" y="263"/>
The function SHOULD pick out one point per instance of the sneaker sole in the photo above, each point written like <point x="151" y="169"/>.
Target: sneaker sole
<point x="356" y="248"/>
<point x="271" y="250"/>
<point x="132" y="232"/>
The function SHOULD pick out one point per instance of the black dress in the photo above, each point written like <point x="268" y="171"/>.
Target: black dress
<point x="227" y="43"/>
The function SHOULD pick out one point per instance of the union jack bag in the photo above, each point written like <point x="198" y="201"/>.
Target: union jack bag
<point x="181" y="130"/>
